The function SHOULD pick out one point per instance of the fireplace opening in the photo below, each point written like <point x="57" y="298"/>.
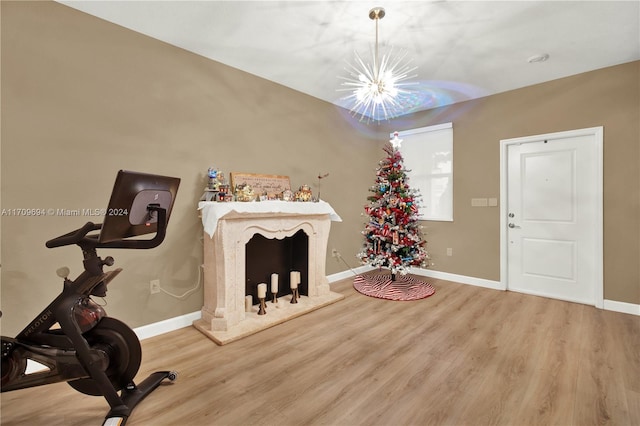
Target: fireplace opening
<point x="265" y="256"/>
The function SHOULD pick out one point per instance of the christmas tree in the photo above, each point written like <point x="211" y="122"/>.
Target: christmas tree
<point x="392" y="235"/>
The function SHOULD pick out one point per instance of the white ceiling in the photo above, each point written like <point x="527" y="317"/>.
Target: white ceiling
<point x="463" y="49"/>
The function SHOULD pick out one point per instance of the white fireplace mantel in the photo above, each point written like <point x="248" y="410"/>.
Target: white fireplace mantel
<point x="227" y="228"/>
<point x="212" y="212"/>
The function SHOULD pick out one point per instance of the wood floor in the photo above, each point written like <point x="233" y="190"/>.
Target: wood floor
<point x="465" y="356"/>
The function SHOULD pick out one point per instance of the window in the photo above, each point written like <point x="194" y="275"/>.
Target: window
<point x="428" y="157"/>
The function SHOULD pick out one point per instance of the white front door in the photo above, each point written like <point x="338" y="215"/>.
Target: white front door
<point x="553" y="209"/>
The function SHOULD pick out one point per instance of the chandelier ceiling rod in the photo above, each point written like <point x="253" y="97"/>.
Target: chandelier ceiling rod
<point x="377" y="13"/>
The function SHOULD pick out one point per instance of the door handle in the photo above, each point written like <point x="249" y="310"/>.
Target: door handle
<point x="513" y="225"/>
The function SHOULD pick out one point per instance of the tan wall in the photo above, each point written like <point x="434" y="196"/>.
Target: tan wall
<point x="82" y="98"/>
<point x="608" y="97"/>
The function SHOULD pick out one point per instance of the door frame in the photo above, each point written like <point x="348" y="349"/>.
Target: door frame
<point x="598" y="255"/>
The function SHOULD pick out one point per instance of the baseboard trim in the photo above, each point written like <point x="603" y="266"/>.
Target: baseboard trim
<point x="623" y="307"/>
<point x="350" y="273"/>
<point x="165" y="326"/>
<point x="463" y="279"/>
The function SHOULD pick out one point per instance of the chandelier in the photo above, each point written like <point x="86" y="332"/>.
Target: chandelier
<point x="379" y="88"/>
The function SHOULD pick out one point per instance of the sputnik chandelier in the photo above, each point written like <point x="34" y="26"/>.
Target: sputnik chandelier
<point x="378" y="88"/>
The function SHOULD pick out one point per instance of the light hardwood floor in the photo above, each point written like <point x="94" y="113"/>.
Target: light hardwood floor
<point x="465" y="356"/>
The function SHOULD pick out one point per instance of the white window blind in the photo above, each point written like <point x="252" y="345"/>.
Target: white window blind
<point x="428" y="157"/>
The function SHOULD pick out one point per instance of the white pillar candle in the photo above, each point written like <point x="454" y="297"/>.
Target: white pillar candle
<point x="293" y="279"/>
<point x="248" y="303"/>
<point x="298" y="277"/>
<point x="274" y="283"/>
<point x="262" y="291"/>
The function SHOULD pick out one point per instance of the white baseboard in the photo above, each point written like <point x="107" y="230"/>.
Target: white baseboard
<point x="609" y="305"/>
<point x="165" y="326"/>
<point x="479" y="282"/>
<point x="350" y="273"/>
<point x="463" y="279"/>
<point x="624" y="307"/>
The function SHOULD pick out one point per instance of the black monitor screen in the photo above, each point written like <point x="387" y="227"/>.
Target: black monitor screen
<point x="127" y="214"/>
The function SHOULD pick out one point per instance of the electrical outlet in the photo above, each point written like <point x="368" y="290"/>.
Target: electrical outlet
<point x="154" y="286"/>
<point x="449" y="251"/>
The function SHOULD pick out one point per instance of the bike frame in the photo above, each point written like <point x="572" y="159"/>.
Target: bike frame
<point x="65" y="351"/>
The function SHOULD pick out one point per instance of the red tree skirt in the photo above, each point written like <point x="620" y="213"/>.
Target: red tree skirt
<point x="405" y="287"/>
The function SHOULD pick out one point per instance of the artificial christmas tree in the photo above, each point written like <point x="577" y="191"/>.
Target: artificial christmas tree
<point x="392" y="235"/>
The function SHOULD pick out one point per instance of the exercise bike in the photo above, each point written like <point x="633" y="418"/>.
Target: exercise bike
<point x="73" y="337"/>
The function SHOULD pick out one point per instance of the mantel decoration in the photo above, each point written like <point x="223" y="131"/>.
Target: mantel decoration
<point x="217" y="187"/>
<point x="378" y="88"/>
<point x="247" y="187"/>
<point x="392" y="235"/>
<point x="263" y="187"/>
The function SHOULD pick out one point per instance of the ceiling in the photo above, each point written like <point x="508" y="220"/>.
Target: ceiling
<point x="463" y="49"/>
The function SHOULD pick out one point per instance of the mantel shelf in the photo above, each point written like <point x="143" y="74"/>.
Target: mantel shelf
<point x="212" y="211"/>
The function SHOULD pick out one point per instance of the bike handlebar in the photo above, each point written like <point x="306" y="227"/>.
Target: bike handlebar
<point x="73" y="237"/>
<point x="79" y="236"/>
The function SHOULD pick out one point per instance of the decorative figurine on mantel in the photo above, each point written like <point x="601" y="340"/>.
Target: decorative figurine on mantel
<point x="215" y="184"/>
<point x="213" y="179"/>
<point x="304" y="193"/>
<point x="287" y="195"/>
<point x="244" y="192"/>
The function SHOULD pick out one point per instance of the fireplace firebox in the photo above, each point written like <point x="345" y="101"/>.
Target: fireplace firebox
<point x="266" y="256"/>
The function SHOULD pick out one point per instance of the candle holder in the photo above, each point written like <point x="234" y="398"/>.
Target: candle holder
<point x="294" y="295"/>
<point x="262" y="310"/>
<point x="275" y="298"/>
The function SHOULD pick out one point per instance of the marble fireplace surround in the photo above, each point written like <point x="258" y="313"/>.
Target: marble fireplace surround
<point x="228" y="227"/>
